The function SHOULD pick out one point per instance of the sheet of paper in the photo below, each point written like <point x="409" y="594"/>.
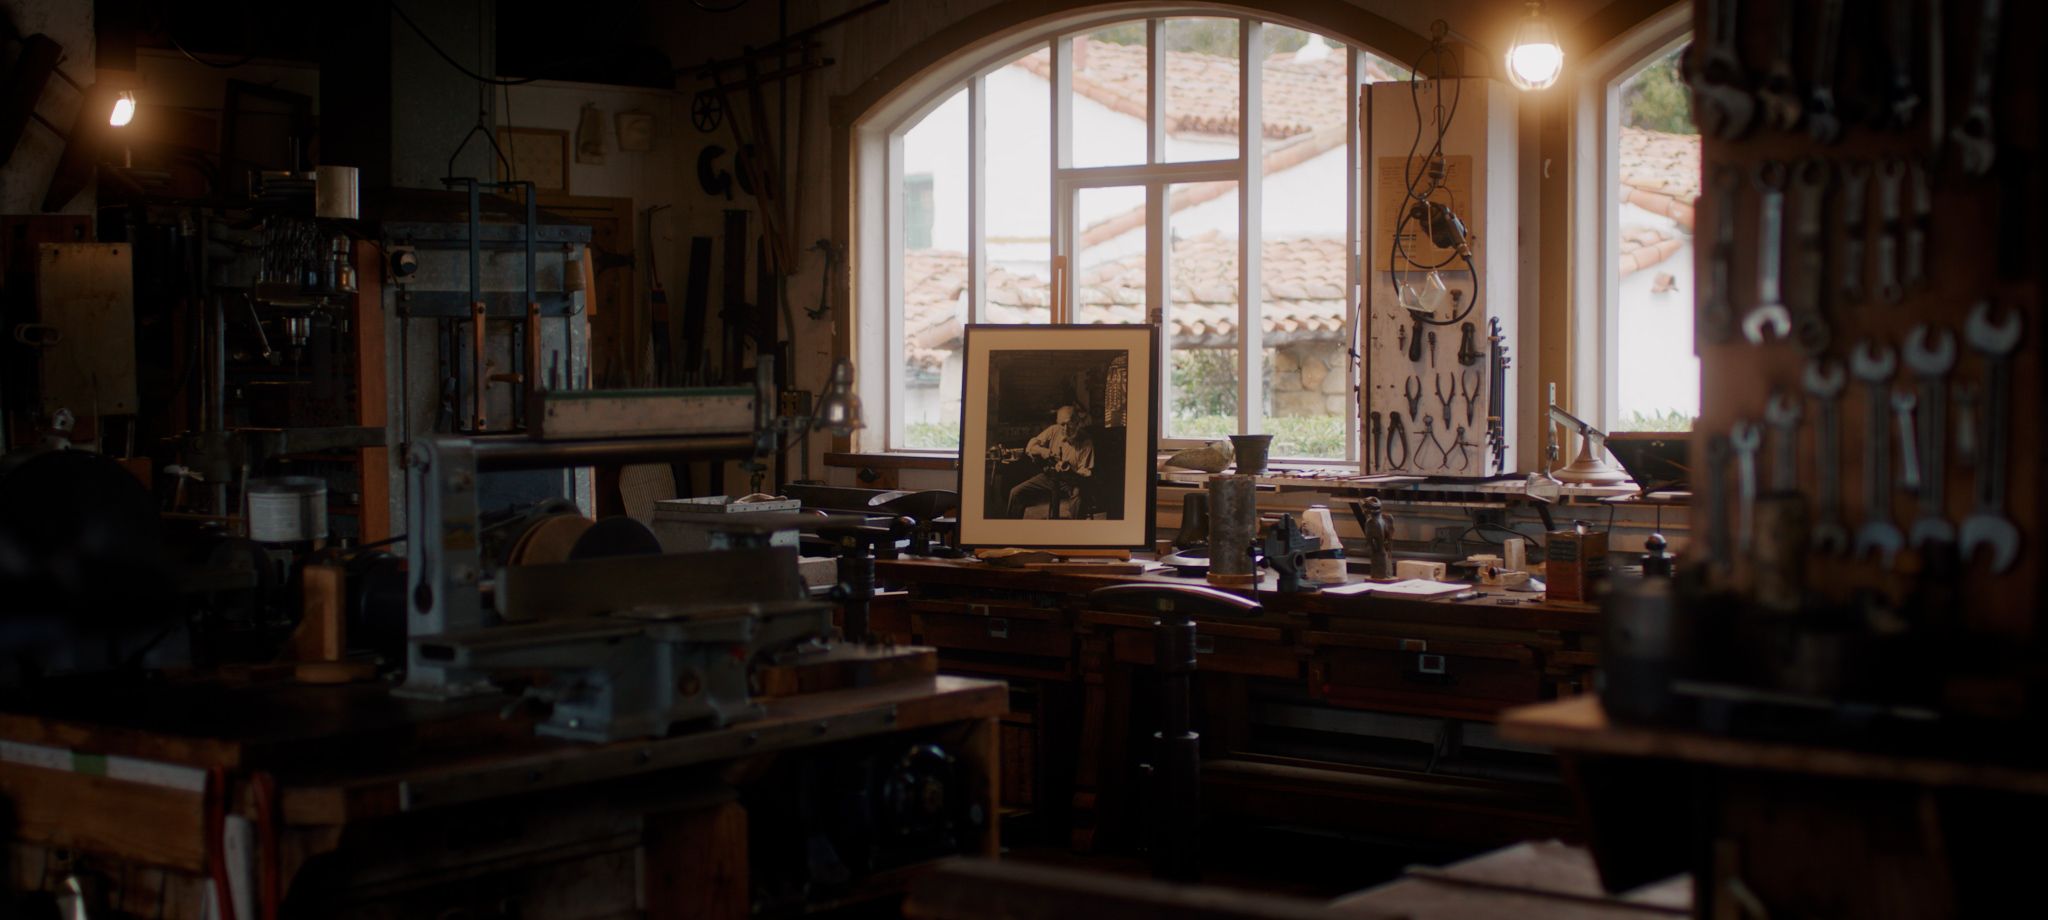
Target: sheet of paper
<point x="1414" y="587"/>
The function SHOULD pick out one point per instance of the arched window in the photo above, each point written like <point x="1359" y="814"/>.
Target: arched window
<point x="1124" y="170"/>
<point x="1635" y="232"/>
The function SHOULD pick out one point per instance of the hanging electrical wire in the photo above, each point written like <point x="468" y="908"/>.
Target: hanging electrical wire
<point x="196" y="59"/>
<point x="452" y="62"/>
<point x="1420" y="190"/>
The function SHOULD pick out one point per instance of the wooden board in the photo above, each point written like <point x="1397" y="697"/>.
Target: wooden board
<point x="87" y="292"/>
<point x="150" y="824"/>
<point x="1580" y="726"/>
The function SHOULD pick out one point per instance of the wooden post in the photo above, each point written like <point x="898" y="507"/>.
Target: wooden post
<point x="697" y="864"/>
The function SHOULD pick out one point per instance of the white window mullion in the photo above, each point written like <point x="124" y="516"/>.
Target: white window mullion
<point x="1062" y="141"/>
<point x="1155" y="93"/>
<point x="1250" y="335"/>
<point x="892" y="211"/>
<point x="1353" y="291"/>
<point x="977" y="200"/>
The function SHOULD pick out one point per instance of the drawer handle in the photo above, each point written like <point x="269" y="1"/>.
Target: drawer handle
<point x="998" y="628"/>
<point x="1205" y="645"/>
<point x="1429" y="664"/>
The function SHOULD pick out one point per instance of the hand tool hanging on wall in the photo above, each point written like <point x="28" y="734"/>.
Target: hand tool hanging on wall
<point x="1891" y="227"/>
<point x="1769" y="319"/>
<point x="1782" y="413"/>
<point x="1779" y="92"/>
<point x="1397" y="438"/>
<point x="1810" y="181"/>
<point x="735" y="313"/>
<point x="1930" y="352"/>
<point x="1902" y="95"/>
<point x="1974" y="135"/>
<point x="1744" y="439"/>
<point x="1855" y="211"/>
<point x="1717" y="308"/>
<point x="1468" y="351"/>
<point x="1989" y="527"/>
<point x="1726" y="109"/>
<point x="662" y="329"/>
<point x="1873" y="363"/>
<point x="696" y="309"/>
<point x="1823" y="117"/>
<point x="1497" y="395"/>
<point x="1412" y="389"/>
<point x="1825" y="380"/>
<point x="1374" y="433"/>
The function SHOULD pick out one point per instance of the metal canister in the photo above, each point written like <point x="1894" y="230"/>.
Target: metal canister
<point x="287" y="509"/>
<point x="1233" y="526"/>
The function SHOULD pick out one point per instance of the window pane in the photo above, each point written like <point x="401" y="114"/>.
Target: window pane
<point x="1109" y="272"/>
<point x="1018" y="219"/>
<point x="1659" y="165"/>
<point x="1305" y="100"/>
<point x="1202" y="341"/>
<point x="1109" y="99"/>
<point x="1200" y="89"/>
<point x="934" y="215"/>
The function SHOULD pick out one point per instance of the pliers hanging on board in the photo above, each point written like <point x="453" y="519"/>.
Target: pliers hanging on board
<point x="1412" y="388"/>
<point x="1437" y="380"/>
<point x="1397" y="436"/>
<point x="1471" y="383"/>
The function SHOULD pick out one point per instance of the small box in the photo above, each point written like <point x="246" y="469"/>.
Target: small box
<point x="1576" y="561"/>
<point x="1419" y="569"/>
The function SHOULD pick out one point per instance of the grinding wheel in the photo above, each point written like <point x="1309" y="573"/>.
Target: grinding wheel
<point x="549" y="541"/>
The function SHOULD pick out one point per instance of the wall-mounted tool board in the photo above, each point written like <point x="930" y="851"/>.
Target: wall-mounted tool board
<point x="1982" y="238"/>
<point x="85" y="297"/>
<point x="1480" y="184"/>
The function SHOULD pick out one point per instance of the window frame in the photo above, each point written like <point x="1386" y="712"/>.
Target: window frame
<point x="878" y="149"/>
<point x="1596" y="212"/>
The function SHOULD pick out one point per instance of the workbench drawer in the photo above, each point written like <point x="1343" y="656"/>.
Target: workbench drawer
<point x="994" y="632"/>
<point x="1424" y="680"/>
<point x="1247" y="651"/>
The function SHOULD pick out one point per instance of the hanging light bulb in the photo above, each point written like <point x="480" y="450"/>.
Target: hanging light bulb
<point x="124" y="109"/>
<point x="1534" y="58"/>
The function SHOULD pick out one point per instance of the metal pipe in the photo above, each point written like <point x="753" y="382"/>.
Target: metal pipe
<point x="518" y="452"/>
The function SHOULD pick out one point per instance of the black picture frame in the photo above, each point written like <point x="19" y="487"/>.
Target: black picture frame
<point x="1099" y="384"/>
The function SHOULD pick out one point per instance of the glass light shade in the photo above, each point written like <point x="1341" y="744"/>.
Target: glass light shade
<point x="124" y="109"/>
<point x="1534" y="58"/>
<point x="839" y="408"/>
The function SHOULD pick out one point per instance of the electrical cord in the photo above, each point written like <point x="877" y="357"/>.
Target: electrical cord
<point x="452" y="62"/>
<point x="1420" y="190"/>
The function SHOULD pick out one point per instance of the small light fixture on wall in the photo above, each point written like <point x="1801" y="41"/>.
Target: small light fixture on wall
<point x="124" y="109"/>
<point x="1534" y="58"/>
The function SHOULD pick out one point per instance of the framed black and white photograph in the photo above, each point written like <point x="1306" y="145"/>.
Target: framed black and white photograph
<point x="1057" y="431"/>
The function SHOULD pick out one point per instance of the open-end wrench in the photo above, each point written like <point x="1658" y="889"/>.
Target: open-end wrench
<point x="1930" y="353"/>
<point x="1937" y="85"/>
<point x="1904" y="402"/>
<point x="1717" y="308"/>
<point x="1915" y="269"/>
<point x="1873" y="363"/>
<point x="1900" y="30"/>
<point x="1720" y="88"/>
<point x="1716" y="485"/>
<point x="1988" y="527"/>
<point x="1778" y="94"/>
<point x="1891" y="181"/>
<point x="1810" y="179"/>
<point x="1769" y="319"/>
<point x="1974" y="135"/>
<point x="1823" y="117"/>
<point x="1744" y="439"/>
<point x="1855" y="220"/>
<point x="1782" y="414"/>
<point x="1965" y="396"/>
<point x="1824" y="381"/>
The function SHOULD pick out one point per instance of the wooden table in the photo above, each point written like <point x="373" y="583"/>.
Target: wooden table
<point x="1080" y="696"/>
<point x="1801" y="829"/>
<point x="347" y="795"/>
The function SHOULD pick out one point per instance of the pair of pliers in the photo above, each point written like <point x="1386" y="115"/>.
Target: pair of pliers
<point x="1471" y="381"/>
<point x="1412" y="388"/>
<point x="1396" y="437"/>
<point x="1438" y="380"/>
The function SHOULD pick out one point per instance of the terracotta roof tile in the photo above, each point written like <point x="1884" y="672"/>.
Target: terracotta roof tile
<point x="1304" y="295"/>
<point x="1301" y="96"/>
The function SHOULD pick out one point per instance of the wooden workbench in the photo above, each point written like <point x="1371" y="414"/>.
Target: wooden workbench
<point x="1080" y="699"/>
<point x="1801" y="829"/>
<point x="348" y="794"/>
